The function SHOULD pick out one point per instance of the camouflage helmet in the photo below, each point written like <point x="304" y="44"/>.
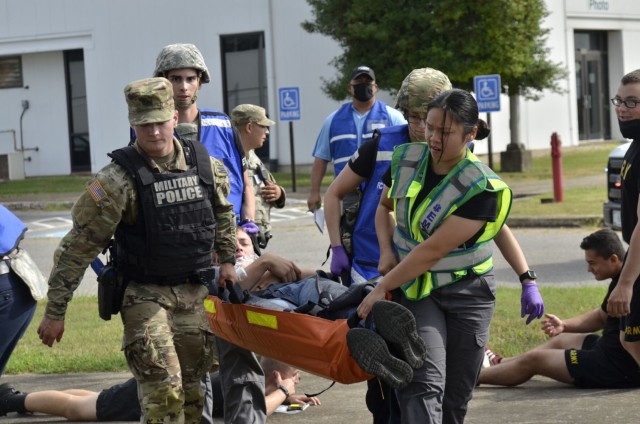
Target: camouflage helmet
<point x="419" y="88"/>
<point x="180" y="56"/>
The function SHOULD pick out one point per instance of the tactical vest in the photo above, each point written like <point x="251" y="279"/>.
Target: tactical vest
<point x="175" y="227"/>
<point x="366" y="251"/>
<point x="416" y="223"/>
<point x="12" y="230"/>
<point x="343" y="133"/>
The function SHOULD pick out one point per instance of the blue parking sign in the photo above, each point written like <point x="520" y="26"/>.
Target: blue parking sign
<point x="487" y="89"/>
<point x="289" y="103"/>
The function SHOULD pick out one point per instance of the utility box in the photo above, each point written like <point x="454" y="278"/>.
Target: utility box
<point x="11" y="166"/>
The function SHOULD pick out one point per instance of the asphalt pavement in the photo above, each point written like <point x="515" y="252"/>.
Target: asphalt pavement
<point x="539" y="401"/>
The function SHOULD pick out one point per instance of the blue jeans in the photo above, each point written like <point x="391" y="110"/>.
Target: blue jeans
<point x="16" y="311"/>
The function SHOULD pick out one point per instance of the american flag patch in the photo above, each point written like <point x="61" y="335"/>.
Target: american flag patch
<point x="96" y="191"/>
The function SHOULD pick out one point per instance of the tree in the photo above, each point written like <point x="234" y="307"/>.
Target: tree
<point x="462" y="38"/>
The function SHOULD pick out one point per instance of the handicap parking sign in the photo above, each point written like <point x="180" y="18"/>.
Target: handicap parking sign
<point x="289" y="103"/>
<point x="487" y="89"/>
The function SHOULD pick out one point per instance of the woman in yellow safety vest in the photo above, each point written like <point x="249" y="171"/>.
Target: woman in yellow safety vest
<point x="440" y="208"/>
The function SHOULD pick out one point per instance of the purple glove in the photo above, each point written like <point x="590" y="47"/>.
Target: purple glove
<point x="250" y="227"/>
<point x="339" y="261"/>
<point x="531" y="302"/>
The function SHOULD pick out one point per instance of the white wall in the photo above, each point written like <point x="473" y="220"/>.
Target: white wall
<point x="121" y="40"/>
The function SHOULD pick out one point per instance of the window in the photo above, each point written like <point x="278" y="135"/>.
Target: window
<point x="10" y="72"/>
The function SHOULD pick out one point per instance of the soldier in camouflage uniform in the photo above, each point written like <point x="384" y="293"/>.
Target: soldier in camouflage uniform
<point x="168" y="211"/>
<point x="367" y="166"/>
<point x="184" y="66"/>
<point x="253" y="125"/>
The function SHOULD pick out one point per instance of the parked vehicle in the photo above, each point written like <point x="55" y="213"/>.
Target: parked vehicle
<point x="611" y="208"/>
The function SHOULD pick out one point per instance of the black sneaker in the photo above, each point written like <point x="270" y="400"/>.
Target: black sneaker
<point x="370" y="351"/>
<point x="6" y="392"/>
<point x="397" y="325"/>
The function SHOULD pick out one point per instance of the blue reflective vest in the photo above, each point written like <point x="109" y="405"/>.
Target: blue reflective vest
<point x="366" y="251"/>
<point x="216" y="133"/>
<point x="12" y="230"/>
<point x="343" y="133"/>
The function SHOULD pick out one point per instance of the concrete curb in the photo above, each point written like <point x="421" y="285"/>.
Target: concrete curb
<point x="555" y="221"/>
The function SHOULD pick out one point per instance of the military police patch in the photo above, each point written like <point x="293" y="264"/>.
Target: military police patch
<point x="96" y="191"/>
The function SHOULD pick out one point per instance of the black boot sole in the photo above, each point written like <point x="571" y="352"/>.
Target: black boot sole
<point x="396" y="324"/>
<point x="370" y="351"/>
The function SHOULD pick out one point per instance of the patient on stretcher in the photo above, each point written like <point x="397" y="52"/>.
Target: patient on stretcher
<point x="273" y="282"/>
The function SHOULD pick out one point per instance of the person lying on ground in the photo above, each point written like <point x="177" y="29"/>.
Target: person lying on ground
<point x="573" y="354"/>
<point x="120" y="402"/>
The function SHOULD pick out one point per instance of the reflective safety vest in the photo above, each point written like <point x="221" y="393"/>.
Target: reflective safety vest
<point x="216" y="133"/>
<point x="416" y="223"/>
<point x="343" y="134"/>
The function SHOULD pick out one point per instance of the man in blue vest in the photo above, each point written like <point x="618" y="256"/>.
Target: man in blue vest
<point x="345" y="129"/>
<point x="184" y="66"/>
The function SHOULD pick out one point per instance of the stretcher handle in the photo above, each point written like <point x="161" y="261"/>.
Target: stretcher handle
<point x="236" y="294"/>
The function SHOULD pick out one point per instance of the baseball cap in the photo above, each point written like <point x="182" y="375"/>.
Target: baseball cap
<point x="149" y="100"/>
<point x="243" y="114"/>
<point x="362" y="70"/>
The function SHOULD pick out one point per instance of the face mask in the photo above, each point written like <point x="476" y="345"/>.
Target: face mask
<point x="630" y="129"/>
<point x="363" y="91"/>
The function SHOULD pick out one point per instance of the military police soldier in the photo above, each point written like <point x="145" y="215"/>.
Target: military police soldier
<point x="253" y="125"/>
<point x="165" y="202"/>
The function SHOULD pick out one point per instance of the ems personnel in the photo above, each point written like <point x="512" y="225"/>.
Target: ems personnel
<point x="21" y="284"/>
<point x="184" y="66"/>
<point x="253" y="126"/>
<point x="365" y="168"/>
<point x="448" y="206"/>
<point x="165" y="202"/>
<point x="344" y="130"/>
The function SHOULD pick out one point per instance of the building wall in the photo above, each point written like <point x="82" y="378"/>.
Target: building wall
<point x="121" y="39"/>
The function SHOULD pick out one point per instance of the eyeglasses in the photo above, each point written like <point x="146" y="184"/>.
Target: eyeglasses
<point x="264" y="127"/>
<point x="629" y="103"/>
<point x="416" y="120"/>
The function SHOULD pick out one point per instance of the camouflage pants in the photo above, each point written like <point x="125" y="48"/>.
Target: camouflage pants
<point x="169" y="347"/>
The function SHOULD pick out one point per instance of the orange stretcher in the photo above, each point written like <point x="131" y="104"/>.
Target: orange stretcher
<point x="310" y="343"/>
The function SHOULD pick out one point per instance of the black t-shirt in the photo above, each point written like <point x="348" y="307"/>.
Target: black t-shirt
<point x="630" y="174"/>
<point x="364" y="160"/>
<point x="483" y="207"/>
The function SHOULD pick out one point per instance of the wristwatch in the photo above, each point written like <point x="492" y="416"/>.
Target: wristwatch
<point x="284" y="390"/>
<point x="529" y="275"/>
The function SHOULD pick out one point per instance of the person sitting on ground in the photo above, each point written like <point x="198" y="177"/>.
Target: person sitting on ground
<point x="574" y="355"/>
<point x="120" y="402"/>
